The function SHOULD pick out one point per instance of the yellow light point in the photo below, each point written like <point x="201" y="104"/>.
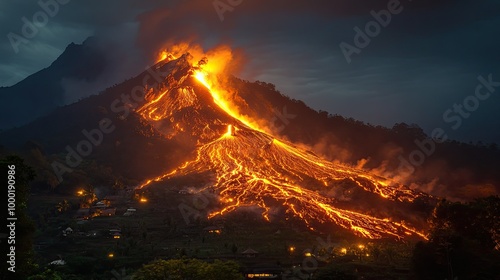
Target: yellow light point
<point x="143" y="200"/>
<point x="343" y="251"/>
<point x="111" y="255"/>
<point x="80" y="192"/>
<point x="292" y="249"/>
<point x="231" y="131"/>
<point x="361" y="246"/>
<point x="308" y="254"/>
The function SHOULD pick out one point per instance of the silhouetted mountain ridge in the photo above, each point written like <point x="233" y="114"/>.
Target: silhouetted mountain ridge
<point x="41" y="92"/>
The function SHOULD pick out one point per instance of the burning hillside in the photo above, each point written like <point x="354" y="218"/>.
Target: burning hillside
<point x="251" y="167"/>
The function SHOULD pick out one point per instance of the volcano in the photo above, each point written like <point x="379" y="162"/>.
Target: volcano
<point x="248" y="167"/>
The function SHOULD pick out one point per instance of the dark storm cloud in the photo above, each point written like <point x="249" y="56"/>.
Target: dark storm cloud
<point x="424" y="61"/>
<point x="239" y="19"/>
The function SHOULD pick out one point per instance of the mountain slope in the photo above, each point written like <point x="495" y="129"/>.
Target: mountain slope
<point x="42" y="92"/>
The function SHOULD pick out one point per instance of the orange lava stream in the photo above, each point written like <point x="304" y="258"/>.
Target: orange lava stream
<point x="252" y="168"/>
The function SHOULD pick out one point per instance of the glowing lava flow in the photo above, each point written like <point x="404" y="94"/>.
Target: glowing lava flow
<point x="252" y="168"/>
<point x="202" y="77"/>
<point x="217" y="95"/>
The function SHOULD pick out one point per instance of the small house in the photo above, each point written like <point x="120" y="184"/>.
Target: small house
<point x="213" y="229"/>
<point x="115" y="232"/>
<point x="108" y="212"/>
<point x="250" y="253"/>
<point x="57" y="262"/>
<point x="83" y="214"/>
<point x="130" y="212"/>
<point x="67" y="231"/>
<point x="264" y="271"/>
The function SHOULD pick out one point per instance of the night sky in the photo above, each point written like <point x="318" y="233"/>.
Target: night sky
<point x="419" y="68"/>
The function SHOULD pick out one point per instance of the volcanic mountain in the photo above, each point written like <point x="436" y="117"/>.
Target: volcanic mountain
<point x="181" y="121"/>
<point x="247" y="167"/>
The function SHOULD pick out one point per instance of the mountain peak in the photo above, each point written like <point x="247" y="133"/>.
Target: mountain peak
<point x="42" y="92"/>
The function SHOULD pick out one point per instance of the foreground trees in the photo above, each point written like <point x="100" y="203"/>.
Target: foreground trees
<point x="181" y="269"/>
<point x="464" y="241"/>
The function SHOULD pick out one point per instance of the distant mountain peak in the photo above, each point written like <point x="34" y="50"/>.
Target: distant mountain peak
<point x="42" y="92"/>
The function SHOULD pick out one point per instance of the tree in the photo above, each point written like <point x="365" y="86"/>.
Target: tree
<point x="47" y="275"/>
<point x="89" y="197"/>
<point x="462" y="241"/>
<point x="335" y="272"/>
<point x="223" y="270"/>
<point x="186" y="269"/>
<point x="63" y="206"/>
